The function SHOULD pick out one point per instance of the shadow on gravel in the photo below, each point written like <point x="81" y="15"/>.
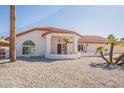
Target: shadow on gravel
<point x="39" y="59"/>
<point x="106" y="67"/>
<point x="3" y="63"/>
<point x="6" y="62"/>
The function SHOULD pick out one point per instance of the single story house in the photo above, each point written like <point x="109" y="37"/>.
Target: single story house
<point x="49" y="42"/>
<point x="87" y="44"/>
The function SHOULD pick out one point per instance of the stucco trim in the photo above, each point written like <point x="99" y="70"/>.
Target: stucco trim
<point x="47" y="30"/>
<point x="68" y="32"/>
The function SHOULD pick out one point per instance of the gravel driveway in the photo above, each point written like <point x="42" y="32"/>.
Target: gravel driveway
<point x="39" y="72"/>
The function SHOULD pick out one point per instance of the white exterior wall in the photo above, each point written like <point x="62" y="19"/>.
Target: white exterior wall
<point x="54" y="45"/>
<point x="75" y="45"/>
<point x="70" y="48"/>
<point x="36" y="37"/>
<point x="48" y="44"/>
<point x="118" y="49"/>
<point x="63" y="56"/>
<point x="91" y="48"/>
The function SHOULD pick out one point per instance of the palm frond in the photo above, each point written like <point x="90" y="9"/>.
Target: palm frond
<point x="67" y="39"/>
<point x="112" y="39"/>
<point x="101" y="49"/>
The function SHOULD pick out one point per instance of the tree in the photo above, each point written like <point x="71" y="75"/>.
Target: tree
<point x="66" y="40"/>
<point x="112" y="41"/>
<point x="101" y="50"/>
<point x="12" y="33"/>
<point x="2" y="37"/>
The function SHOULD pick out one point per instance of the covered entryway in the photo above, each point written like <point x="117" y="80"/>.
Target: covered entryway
<point x="56" y="48"/>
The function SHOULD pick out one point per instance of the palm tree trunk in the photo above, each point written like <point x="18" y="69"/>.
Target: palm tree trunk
<point x="119" y="58"/>
<point x="104" y="58"/>
<point x="12" y="33"/>
<point x="111" y="53"/>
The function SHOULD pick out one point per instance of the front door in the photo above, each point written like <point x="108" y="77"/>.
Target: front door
<point x="59" y="48"/>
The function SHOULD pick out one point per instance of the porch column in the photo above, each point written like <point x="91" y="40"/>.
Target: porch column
<point x="75" y="45"/>
<point x="48" y="44"/>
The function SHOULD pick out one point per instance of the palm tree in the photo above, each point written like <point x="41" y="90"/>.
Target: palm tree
<point x="66" y="40"/>
<point x="12" y="33"/>
<point x="121" y="44"/>
<point x="101" y="50"/>
<point x="112" y="40"/>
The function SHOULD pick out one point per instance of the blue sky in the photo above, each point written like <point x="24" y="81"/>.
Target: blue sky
<point x="87" y="20"/>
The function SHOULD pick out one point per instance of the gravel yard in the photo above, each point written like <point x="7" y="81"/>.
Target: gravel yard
<point x="39" y="72"/>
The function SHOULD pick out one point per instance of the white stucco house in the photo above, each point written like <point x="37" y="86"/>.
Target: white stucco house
<point x="49" y="42"/>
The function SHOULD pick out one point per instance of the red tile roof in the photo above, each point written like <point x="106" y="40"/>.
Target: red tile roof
<point x="83" y="39"/>
<point x="93" y="40"/>
<point x="58" y="30"/>
<point x="48" y="31"/>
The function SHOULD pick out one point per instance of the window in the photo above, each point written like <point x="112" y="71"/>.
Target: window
<point x="28" y="47"/>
